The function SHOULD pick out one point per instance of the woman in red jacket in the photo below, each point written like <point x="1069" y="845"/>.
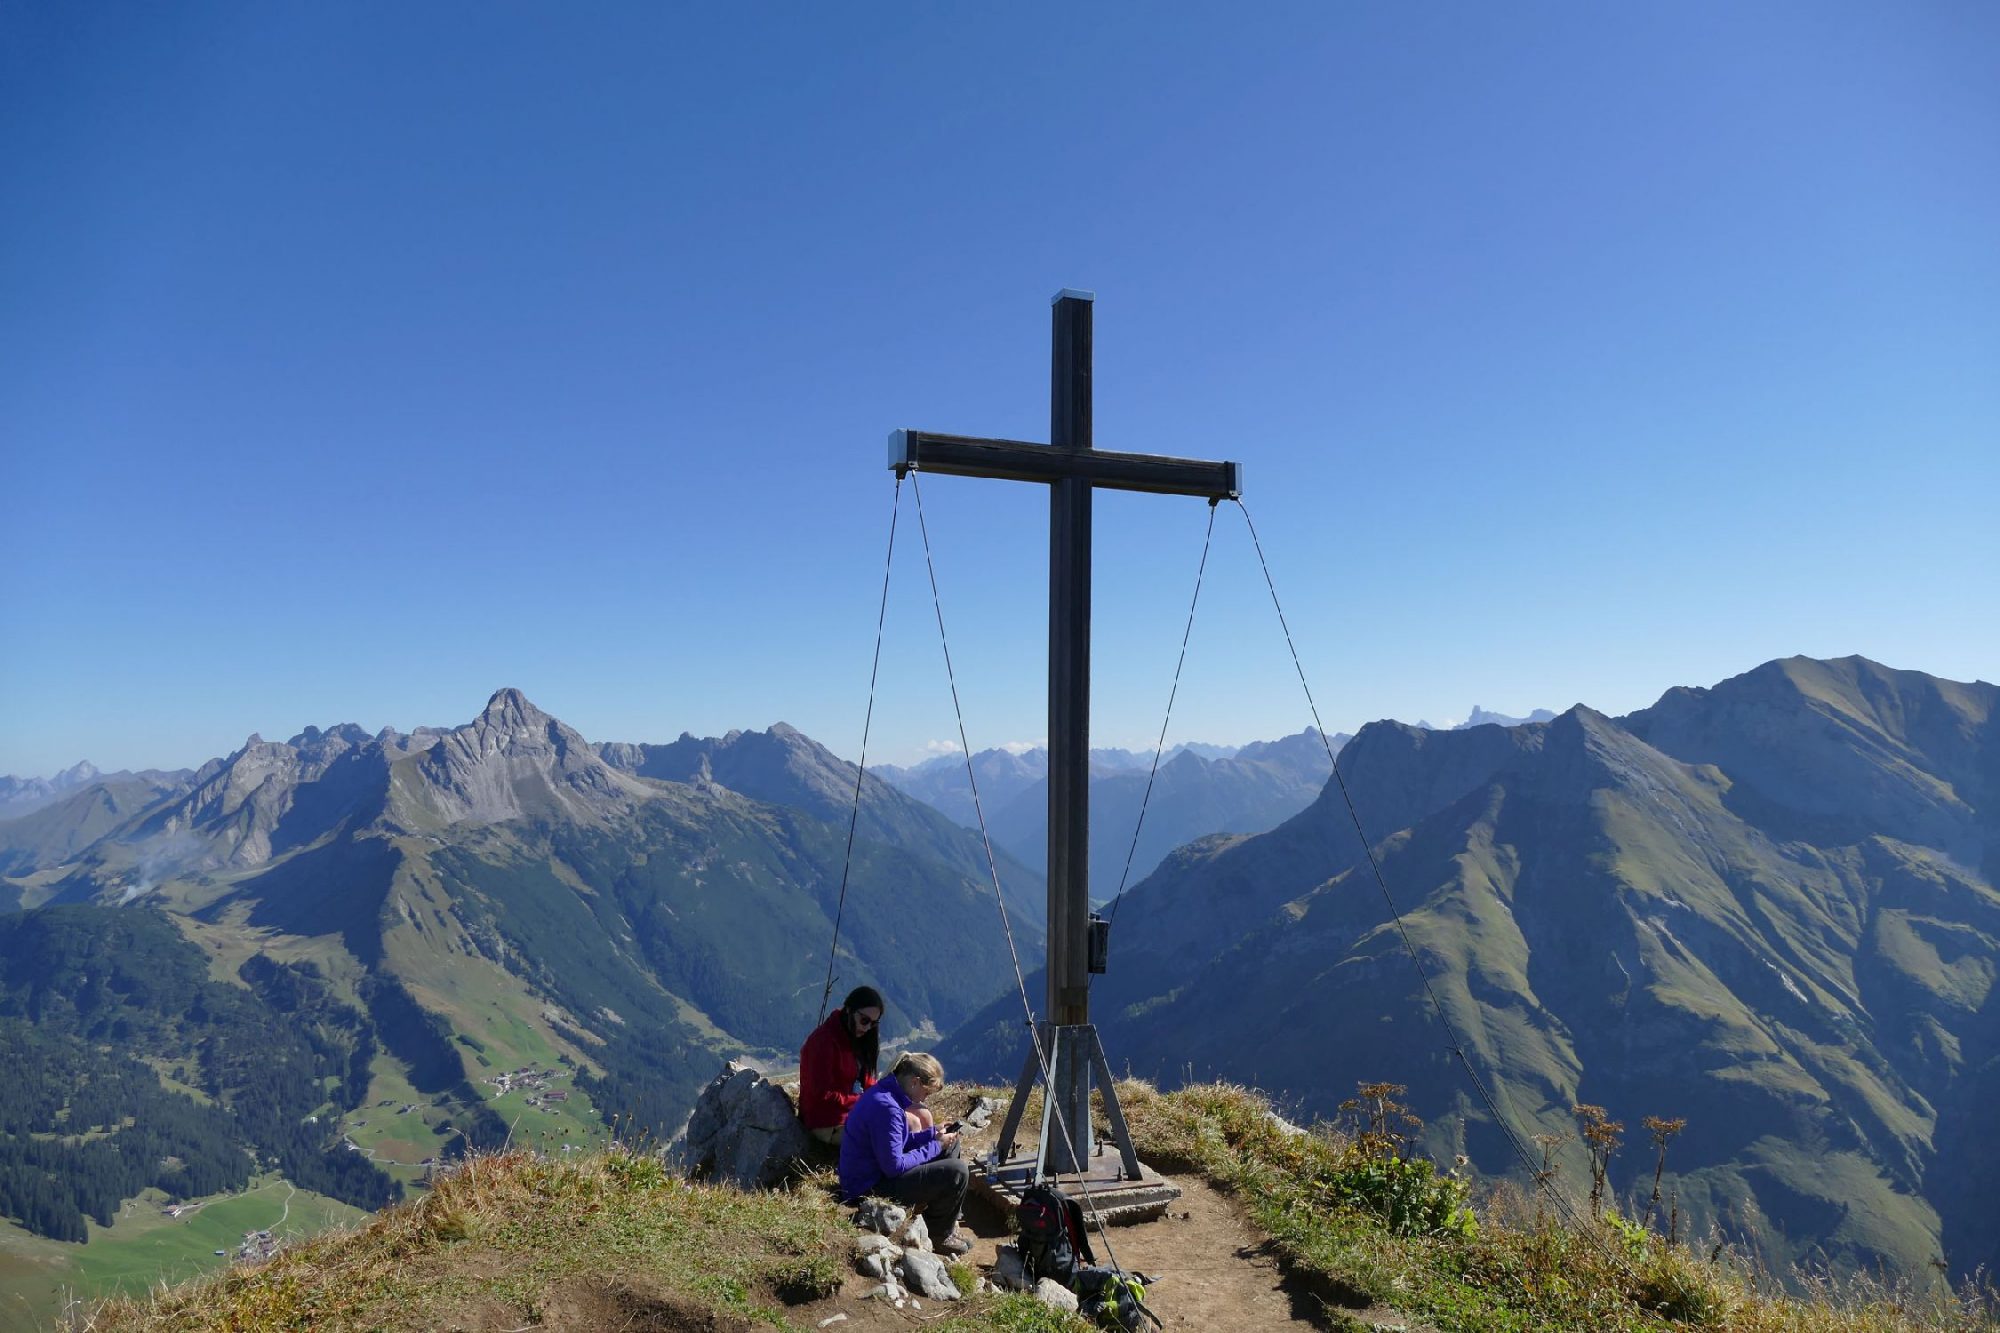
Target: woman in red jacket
<point x="839" y="1062"/>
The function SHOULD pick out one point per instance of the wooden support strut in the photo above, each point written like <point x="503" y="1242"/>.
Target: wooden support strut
<point x="1071" y="467"/>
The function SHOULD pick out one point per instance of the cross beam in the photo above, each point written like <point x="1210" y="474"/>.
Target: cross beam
<point x="1017" y="460"/>
<point x="1071" y="468"/>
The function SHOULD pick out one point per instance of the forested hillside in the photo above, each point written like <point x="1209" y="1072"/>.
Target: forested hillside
<point x="129" y="1067"/>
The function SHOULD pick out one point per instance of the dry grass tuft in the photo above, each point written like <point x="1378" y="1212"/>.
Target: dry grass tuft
<point x="523" y="1235"/>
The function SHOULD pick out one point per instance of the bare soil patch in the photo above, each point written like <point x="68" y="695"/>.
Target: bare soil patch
<point x="1210" y="1270"/>
<point x="629" y="1306"/>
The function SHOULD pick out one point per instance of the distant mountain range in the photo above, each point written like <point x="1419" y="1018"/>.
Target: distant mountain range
<point x="1768" y="907"/>
<point x="1480" y="717"/>
<point x="1199" y="790"/>
<point x="438" y="909"/>
<point x="21" y="796"/>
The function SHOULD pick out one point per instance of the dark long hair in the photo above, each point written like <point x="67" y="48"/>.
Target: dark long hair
<point x="867" y="1049"/>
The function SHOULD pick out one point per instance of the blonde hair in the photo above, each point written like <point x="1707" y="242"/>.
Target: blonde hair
<point x="923" y="1064"/>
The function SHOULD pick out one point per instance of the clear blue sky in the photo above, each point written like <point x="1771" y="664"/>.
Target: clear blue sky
<point x="358" y="360"/>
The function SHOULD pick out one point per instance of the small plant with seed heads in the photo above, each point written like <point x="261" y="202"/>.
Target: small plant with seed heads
<point x="1601" y="1137"/>
<point x="1663" y="1131"/>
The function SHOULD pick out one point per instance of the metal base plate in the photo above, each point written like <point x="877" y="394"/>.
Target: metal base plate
<point x="1113" y="1199"/>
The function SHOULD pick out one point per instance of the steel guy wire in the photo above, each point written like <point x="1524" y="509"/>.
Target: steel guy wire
<point x="867" y="722"/>
<point x="1050" y="1102"/>
<point x="1159" y="746"/>
<point x="1381" y="882"/>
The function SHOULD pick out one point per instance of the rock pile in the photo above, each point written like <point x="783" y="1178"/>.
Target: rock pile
<point x="906" y="1270"/>
<point x="1009" y="1275"/>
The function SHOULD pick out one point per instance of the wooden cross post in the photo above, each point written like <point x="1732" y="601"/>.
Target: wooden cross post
<point x="1071" y="468"/>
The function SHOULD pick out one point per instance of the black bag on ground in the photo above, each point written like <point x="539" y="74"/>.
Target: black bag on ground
<point x="1054" y="1242"/>
<point x="1113" y="1298"/>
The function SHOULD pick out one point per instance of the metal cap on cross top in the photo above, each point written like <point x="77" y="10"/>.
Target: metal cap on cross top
<point x="1072" y="468"/>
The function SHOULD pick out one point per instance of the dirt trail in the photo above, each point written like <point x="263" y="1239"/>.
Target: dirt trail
<point x="1211" y="1268"/>
<point x="1215" y="1273"/>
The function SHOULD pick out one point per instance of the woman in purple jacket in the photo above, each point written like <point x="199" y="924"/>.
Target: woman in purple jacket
<point x="881" y="1154"/>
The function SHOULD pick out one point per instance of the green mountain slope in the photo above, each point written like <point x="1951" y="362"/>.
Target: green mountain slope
<point x="785" y="767"/>
<point x="55" y="833"/>
<point x="1759" y="907"/>
<point x="502" y="934"/>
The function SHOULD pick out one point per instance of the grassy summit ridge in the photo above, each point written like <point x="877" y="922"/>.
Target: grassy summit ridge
<point x="517" y="1240"/>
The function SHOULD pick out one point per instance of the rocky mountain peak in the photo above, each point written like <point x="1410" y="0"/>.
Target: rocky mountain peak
<point x="20" y="795"/>
<point x="510" y="708"/>
<point x="244" y="810"/>
<point x="515" y="760"/>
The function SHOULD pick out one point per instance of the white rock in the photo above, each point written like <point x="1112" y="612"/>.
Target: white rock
<point x="918" y="1235"/>
<point x="927" y="1275"/>
<point x="832" y="1319"/>
<point x="874" y="1244"/>
<point x="879" y="1216"/>
<point x="1055" y="1295"/>
<point x="873" y="1265"/>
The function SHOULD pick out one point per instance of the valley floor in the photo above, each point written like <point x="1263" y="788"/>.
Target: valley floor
<point x="144" y="1247"/>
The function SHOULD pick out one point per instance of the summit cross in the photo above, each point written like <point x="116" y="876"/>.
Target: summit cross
<point x="1071" y="467"/>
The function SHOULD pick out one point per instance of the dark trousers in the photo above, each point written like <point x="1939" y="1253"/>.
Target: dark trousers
<point x="936" y="1189"/>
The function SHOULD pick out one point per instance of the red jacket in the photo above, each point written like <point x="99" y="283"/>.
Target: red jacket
<point x="830" y="1078"/>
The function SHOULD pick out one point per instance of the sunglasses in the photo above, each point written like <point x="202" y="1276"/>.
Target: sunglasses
<point x="864" y="1021"/>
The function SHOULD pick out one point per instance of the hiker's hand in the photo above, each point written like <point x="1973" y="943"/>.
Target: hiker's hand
<point x="948" y="1140"/>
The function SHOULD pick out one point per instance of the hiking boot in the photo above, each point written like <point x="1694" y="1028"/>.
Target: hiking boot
<point x="955" y="1244"/>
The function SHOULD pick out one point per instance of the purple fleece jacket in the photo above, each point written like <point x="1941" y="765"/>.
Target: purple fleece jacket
<point x="877" y="1142"/>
